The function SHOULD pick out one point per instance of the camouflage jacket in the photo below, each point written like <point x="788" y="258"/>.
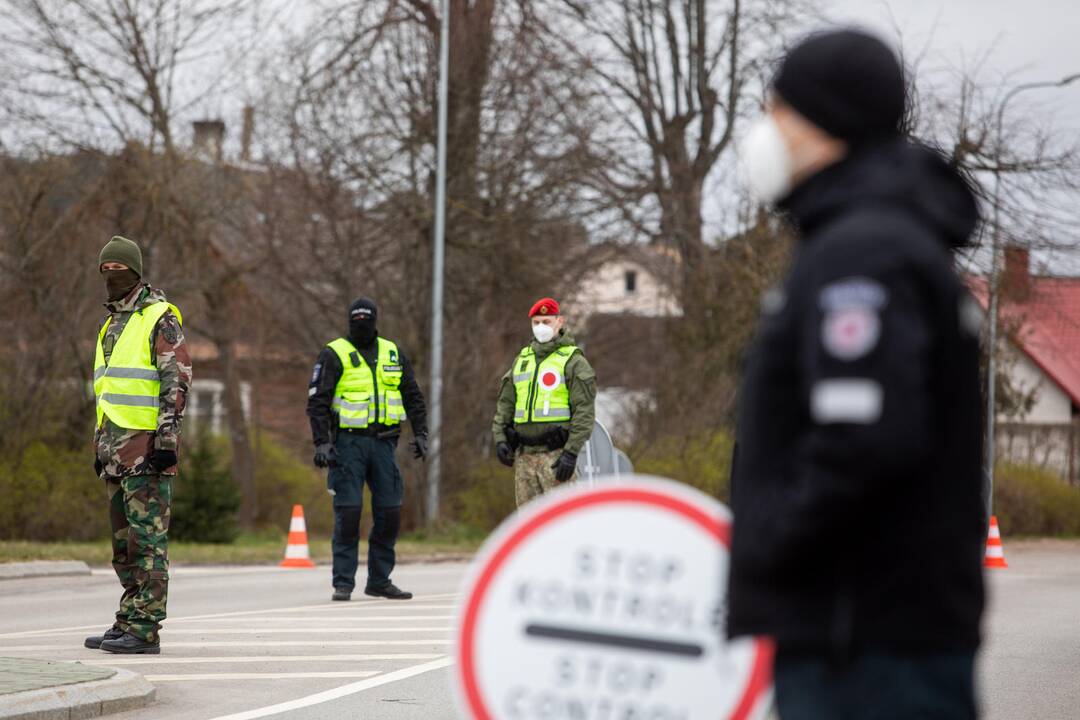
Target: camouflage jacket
<point x="123" y="452"/>
<point x="580" y="380"/>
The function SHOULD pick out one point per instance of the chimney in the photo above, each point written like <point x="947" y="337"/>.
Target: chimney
<point x="209" y="138"/>
<point x="246" y="133"/>
<point x="1017" y="280"/>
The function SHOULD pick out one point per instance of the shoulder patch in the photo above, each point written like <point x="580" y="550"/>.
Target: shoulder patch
<point x="853" y="292"/>
<point x="851" y="333"/>
<point x="316" y="373"/>
<point x="852" y="324"/>
<point x="170" y="330"/>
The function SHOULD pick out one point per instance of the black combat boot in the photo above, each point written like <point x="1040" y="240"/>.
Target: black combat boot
<point x="128" y="644"/>
<point x="342" y="594"/>
<point x="389" y="591"/>
<point x="94" y="642"/>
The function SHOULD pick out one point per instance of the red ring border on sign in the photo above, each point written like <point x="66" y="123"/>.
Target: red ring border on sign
<point x="760" y="674"/>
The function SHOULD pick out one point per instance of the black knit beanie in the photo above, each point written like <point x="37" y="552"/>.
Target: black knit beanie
<point x="846" y="82"/>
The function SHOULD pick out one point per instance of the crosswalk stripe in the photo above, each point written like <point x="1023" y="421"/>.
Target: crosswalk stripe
<point x="169" y="644"/>
<point x="351" y="606"/>
<point x="169" y="632"/>
<point x="258" y="676"/>
<point x="359" y="608"/>
<point x="335" y="618"/>
<point x="240" y="659"/>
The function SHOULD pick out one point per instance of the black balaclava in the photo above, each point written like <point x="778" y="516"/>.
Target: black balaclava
<point x="118" y="283"/>
<point x="363" y="315"/>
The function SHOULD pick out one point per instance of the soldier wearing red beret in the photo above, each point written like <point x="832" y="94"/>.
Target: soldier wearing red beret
<point x="547" y="406"/>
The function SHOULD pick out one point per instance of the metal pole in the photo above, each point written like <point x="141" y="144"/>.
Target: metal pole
<point x="992" y="341"/>
<point x="435" y="418"/>
<point x="991" y="360"/>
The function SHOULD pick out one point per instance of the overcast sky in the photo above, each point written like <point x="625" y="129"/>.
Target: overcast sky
<point x="1027" y="40"/>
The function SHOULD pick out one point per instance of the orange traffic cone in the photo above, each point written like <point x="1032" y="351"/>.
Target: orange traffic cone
<point x="296" y="552"/>
<point x="995" y="552"/>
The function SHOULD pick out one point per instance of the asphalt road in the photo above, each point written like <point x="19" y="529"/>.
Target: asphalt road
<point x="239" y="642"/>
<point x="1030" y="664"/>
<point x="249" y="643"/>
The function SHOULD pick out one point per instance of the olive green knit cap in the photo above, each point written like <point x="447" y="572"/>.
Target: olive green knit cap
<point x="121" y="250"/>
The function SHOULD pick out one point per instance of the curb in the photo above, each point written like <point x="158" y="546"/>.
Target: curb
<point x="42" y="568"/>
<point x="123" y="691"/>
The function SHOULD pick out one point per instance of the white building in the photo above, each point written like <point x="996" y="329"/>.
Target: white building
<point x="1040" y="316"/>
<point x="620" y="309"/>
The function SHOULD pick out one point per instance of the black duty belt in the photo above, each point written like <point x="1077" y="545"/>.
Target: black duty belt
<point x="381" y="432"/>
<point x="552" y="439"/>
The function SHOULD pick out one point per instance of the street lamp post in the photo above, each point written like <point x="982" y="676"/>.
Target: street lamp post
<point x="995" y="246"/>
<point x="435" y="415"/>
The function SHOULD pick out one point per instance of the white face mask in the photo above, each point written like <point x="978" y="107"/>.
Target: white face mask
<point x="765" y="163"/>
<point x="543" y="332"/>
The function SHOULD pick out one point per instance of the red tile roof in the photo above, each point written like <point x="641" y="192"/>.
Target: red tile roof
<point x="1045" y="324"/>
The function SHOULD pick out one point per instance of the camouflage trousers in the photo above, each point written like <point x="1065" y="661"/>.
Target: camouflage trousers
<point x="533" y="475"/>
<point x="139" y="509"/>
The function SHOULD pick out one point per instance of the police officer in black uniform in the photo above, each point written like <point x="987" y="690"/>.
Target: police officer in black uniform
<point x="858" y="518"/>
<point x="362" y="387"/>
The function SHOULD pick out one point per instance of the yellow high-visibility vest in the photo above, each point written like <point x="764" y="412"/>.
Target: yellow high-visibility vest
<point x="127" y="387"/>
<point x="363" y="397"/>
<point x="540" y="388"/>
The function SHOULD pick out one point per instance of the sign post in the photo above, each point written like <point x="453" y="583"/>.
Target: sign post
<point x="607" y="602"/>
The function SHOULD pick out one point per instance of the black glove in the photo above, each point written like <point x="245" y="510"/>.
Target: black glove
<point x="325" y="455"/>
<point x="419" y="447"/>
<point x="512" y="437"/>
<point x="564" y="467"/>
<point x="98" y="467"/>
<point x="162" y="460"/>
<point x="505" y="454"/>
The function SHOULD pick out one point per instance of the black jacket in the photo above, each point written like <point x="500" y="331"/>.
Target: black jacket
<point x="324" y="379"/>
<point x="857" y="502"/>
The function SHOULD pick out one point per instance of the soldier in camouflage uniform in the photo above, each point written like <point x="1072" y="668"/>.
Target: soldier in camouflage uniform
<point x="137" y="440"/>
<point x="546" y="408"/>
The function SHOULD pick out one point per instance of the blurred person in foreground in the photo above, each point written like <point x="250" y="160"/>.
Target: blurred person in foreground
<point x="859" y="525"/>
<point x="142" y="376"/>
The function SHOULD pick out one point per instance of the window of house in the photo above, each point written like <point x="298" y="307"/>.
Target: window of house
<point x="206" y="406"/>
<point x="631" y="282"/>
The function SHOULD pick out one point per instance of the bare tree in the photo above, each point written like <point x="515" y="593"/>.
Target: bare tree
<point x="116" y="78"/>
<point x="677" y="76"/>
<point x="83" y="68"/>
<point x="358" y="159"/>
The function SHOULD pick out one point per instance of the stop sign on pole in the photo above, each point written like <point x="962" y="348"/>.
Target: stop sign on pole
<point x="607" y="602"/>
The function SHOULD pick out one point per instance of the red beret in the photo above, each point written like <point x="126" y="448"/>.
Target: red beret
<point x="545" y="307"/>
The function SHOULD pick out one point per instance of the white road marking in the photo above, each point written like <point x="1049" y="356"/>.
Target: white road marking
<point x="258" y="676"/>
<point x="167" y="633"/>
<point x="361" y="610"/>
<point x="335" y="618"/>
<point x="336" y="693"/>
<point x="342" y="607"/>
<point x="241" y="659"/>
<point x="355" y="605"/>
<point x="246" y="643"/>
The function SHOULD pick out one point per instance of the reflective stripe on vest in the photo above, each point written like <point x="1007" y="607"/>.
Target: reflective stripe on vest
<point x="540" y="390"/>
<point x="128" y="387"/>
<point x="362" y="398"/>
